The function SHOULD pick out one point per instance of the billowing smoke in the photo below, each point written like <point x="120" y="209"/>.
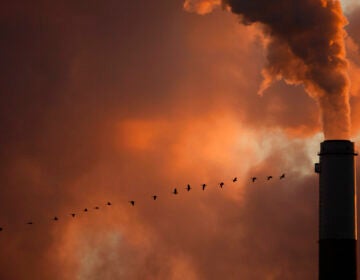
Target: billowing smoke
<point x="305" y="45"/>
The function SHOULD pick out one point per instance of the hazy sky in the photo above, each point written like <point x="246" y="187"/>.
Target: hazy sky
<point x="121" y="100"/>
<point x="349" y="5"/>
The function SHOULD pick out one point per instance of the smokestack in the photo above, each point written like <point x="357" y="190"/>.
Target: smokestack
<point x="337" y="223"/>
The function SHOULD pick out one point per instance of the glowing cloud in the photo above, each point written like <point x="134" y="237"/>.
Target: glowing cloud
<point x="201" y="7"/>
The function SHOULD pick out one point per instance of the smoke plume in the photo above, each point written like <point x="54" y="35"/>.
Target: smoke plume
<point x="304" y="45"/>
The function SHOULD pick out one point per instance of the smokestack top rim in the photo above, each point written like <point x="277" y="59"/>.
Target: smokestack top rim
<point x="337" y="140"/>
<point x="337" y="147"/>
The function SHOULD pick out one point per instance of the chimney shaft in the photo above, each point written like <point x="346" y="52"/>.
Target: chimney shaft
<point x="337" y="223"/>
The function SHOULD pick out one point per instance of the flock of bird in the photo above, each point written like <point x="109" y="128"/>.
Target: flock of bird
<point x="155" y="197"/>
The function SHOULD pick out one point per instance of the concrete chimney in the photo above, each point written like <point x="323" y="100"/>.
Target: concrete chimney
<point x="337" y="223"/>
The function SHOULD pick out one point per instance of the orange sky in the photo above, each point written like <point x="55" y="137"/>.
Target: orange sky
<point x="122" y="100"/>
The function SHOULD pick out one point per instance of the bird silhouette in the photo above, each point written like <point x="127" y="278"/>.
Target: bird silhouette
<point x="155" y="197"/>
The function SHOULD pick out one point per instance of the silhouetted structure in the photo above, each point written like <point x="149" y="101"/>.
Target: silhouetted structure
<point x="337" y="223"/>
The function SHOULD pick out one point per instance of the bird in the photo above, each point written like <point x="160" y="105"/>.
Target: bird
<point x="96" y="207"/>
<point x="269" y="178"/>
<point x="221" y="184"/>
<point x="56" y="218"/>
<point x="29" y="223"/>
<point x="188" y="188"/>
<point x="1" y="228"/>
<point x="175" y="191"/>
<point x="203" y="187"/>
<point x="132" y="202"/>
<point x="282" y="176"/>
<point x="72" y="215"/>
<point x="253" y="179"/>
<point x="235" y="179"/>
<point x="108" y="204"/>
<point x="154" y="197"/>
<point x="85" y="210"/>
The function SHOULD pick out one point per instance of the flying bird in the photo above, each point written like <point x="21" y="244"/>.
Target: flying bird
<point x="269" y="178"/>
<point x="282" y="176"/>
<point x="1" y="228"/>
<point x="175" y="191"/>
<point x="221" y="184"/>
<point x="235" y="179"/>
<point x="108" y="204"/>
<point x="72" y="215"/>
<point x="29" y="223"/>
<point x="188" y="188"/>
<point x="154" y="197"/>
<point x="85" y="210"/>
<point x="253" y="179"/>
<point x="96" y="207"/>
<point x="132" y="202"/>
<point x="56" y="218"/>
<point x="203" y="187"/>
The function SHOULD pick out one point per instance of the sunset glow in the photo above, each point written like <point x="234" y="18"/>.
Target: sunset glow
<point x="118" y="101"/>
